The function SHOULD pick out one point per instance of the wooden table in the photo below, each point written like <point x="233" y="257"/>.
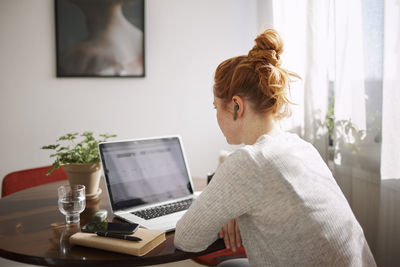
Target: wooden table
<point x="32" y="230"/>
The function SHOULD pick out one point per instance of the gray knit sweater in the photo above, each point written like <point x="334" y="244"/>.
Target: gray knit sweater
<point x="290" y="210"/>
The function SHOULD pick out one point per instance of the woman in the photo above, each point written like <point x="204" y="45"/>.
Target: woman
<point x="289" y="209"/>
<point x="113" y="47"/>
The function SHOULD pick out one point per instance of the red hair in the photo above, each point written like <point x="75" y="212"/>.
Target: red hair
<point x="258" y="76"/>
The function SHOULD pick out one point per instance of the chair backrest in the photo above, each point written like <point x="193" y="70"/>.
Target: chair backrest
<point x="23" y="179"/>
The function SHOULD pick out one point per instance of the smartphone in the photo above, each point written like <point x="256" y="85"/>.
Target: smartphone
<point x="111" y="227"/>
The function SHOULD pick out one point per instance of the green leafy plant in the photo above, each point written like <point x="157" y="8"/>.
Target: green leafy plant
<point x="69" y="149"/>
<point x="330" y="121"/>
<point x="348" y="136"/>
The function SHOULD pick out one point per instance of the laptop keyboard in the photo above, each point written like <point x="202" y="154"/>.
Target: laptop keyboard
<point x="162" y="210"/>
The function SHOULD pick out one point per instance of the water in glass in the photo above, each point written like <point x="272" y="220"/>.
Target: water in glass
<point x="71" y="202"/>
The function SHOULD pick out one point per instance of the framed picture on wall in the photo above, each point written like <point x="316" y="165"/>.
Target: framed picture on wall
<point x="100" y="38"/>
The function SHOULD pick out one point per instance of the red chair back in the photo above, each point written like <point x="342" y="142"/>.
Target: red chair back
<point x="19" y="180"/>
<point x="215" y="258"/>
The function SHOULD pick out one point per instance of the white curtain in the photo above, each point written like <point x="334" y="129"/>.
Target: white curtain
<point x="390" y="157"/>
<point x="389" y="218"/>
<point x="354" y="168"/>
<point x="339" y="43"/>
<point x="304" y="26"/>
<point x="349" y="63"/>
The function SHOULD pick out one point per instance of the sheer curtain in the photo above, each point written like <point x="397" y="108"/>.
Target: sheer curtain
<point x="304" y="26"/>
<point x="336" y="46"/>
<point x="349" y="63"/>
<point x="388" y="232"/>
<point x="357" y="90"/>
<point x="391" y="92"/>
<point x="348" y="54"/>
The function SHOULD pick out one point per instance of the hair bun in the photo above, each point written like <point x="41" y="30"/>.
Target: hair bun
<point x="269" y="46"/>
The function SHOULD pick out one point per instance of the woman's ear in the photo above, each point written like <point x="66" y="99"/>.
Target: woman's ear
<point x="238" y="107"/>
<point x="235" y="111"/>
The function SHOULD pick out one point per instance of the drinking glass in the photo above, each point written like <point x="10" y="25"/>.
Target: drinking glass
<point x="71" y="202"/>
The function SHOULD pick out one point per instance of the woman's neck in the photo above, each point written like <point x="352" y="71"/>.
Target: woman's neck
<point x="258" y="126"/>
<point x="102" y="17"/>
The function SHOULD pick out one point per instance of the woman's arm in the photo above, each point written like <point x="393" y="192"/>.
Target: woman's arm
<point x="231" y="193"/>
<point x="231" y="235"/>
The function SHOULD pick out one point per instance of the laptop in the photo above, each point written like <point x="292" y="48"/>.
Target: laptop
<point x="148" y="180"/>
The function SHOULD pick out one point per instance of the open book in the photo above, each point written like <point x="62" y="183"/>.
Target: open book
<point x="150" y="240"/>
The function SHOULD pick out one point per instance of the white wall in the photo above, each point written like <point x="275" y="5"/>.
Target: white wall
<point x="185" y="41"/>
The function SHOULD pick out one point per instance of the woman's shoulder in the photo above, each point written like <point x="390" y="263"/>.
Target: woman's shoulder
<point x="270" y="151"/>
<point x="280" y="142"/>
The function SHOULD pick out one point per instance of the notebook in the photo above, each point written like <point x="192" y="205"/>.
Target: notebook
<point x="150" y="240"/>
<point x="148" y="180"/>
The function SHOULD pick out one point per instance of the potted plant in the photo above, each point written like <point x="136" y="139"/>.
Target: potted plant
<point x="80" y="159"/>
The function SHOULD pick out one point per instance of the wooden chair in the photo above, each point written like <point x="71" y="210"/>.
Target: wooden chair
<point x="23" y="179"/>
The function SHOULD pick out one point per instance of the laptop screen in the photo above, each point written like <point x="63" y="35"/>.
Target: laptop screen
<point x="144" y="171"/>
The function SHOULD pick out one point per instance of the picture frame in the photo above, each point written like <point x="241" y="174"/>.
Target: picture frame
<point x="100" y="38"/>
